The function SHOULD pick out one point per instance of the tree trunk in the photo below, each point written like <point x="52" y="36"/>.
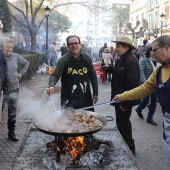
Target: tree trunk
<point x="33" y="41"/>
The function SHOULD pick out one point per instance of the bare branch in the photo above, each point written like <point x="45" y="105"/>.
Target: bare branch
<point x="17" y="9"/>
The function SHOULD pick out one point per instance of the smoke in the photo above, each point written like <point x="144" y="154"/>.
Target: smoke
<point x="37" y="109"/>
<point x="44" y="116"/>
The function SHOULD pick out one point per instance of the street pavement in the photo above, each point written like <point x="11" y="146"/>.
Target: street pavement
<point x="148" y="138"/>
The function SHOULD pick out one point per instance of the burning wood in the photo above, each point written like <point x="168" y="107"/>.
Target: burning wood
<point x="75" y="145"/>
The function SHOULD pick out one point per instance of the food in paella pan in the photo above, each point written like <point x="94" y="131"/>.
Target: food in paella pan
<point x="75" y="123"/>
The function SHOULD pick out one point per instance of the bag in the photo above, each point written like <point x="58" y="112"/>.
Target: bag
<point x="44" y="70"/>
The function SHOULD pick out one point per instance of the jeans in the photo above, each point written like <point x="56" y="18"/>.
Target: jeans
<point x="53" y="60"/>
<point x="12" y="100"/>
<point x="152" y="106"/>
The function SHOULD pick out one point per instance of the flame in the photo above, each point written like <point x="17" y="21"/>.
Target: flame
<point x="57" y="148"/>
<point x="75" y="145"/>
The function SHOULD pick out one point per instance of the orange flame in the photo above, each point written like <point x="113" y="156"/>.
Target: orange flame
<point x="75" y="145"/>
<point x="57" y="148"/>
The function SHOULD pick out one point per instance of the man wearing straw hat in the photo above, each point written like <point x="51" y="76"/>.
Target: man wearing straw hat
<point x="125" y="75"/>
<point x="159" y="80"/>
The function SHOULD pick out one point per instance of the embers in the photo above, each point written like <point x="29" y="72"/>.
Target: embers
<point x="72" y="147"/>
<point x="79" y="151"/>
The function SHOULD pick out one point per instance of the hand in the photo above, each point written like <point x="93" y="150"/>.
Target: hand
<point x="19" y="76"/>
<point x="50" y="90"/>
<point x="123" y="109"/>
<point x="105" y="66"/>
<point x="95" y="98"/>
<point x="117" y="99"/>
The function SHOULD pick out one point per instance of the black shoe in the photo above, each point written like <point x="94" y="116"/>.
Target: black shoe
<point x="151" y="122"/>
<point x="133" y="151"/>
<point x="12" y="136"/>
<point x="140" y="114"/>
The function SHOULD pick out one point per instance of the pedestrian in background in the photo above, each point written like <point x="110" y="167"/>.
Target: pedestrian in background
<point x="143" y="48"/>
<point x="12" y="74"/>
<point x="1" y="27"/>
<point x="160" y="81"/>
<point x="107" y="60"/>
<point x="77" y="72"/>
<point x="138" y="52"/>
<point x="125" y="75"/>
<point x="147" y="65"/>
<point x="53" y="53"/>
<point x="112" y="52"/>
<point x="63" y="49"/>
<point x="101" y="51"/>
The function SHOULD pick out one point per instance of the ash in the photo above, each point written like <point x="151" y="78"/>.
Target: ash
<point x="35" y="156"/>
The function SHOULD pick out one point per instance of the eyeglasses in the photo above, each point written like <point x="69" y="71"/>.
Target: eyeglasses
<point x="154" y="50"/>
<point x="75" y="43"/>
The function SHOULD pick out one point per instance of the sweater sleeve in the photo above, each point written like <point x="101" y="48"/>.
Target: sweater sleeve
<point x="24" y="64"/>
<point x="143" y="90"/>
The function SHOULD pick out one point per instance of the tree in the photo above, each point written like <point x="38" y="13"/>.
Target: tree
<point x="137" y="33"/>
<point x="60" y="23"/>
<point x="5" y="16"/>
<point x="120" y="16"/>
<point x="32" y="13"/>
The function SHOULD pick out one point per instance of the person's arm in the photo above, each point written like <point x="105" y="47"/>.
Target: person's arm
<point x="55" y="76"/>
<point x="24" y="64"/>
<point x="140" y="92"/>
<point x="93" y="79"/>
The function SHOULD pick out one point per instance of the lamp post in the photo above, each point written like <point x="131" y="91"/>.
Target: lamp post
<point x="47" y="11"/>
<point x="162" y="17"/>
<point x="155" y="31"/>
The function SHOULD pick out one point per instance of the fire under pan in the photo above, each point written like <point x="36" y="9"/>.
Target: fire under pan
<point x="34" y="155"/>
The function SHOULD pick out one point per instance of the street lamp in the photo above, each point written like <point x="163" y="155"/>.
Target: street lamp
<point x="47" y="11"/>
<point x="162" y="20"/>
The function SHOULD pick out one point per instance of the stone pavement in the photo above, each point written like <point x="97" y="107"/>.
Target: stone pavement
<point x="9" y="149"/>
<point x="148" y="138"/>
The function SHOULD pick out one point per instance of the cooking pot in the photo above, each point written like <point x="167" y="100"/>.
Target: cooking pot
<point x="98" y="116"/>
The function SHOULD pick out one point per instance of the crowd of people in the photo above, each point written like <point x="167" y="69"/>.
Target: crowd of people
<point x="138" y="78"/>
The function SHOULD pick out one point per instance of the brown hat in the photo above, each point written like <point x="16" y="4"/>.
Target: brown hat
<point x="125" y="41"/>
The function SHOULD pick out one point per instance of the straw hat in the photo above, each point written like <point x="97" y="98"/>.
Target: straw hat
<point x="106" y="50"/>
<point x="125" y="41"/>
<point x="1" y="25"/>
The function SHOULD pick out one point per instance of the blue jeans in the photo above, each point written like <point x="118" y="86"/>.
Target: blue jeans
<point x="53" y="60"/>
<point x="152" y="106"/>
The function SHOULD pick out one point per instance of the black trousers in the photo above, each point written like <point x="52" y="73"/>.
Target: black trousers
<point x="124" y="125"/>
<point x="12" y="99"/>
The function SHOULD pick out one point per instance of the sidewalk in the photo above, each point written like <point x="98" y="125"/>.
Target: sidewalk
<point x="148" y="138"/>
<point x="9" y="149"/>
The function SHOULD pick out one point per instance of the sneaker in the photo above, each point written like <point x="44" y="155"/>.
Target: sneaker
<point x="133" y="150"/>
<point x="140" y="114"/>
